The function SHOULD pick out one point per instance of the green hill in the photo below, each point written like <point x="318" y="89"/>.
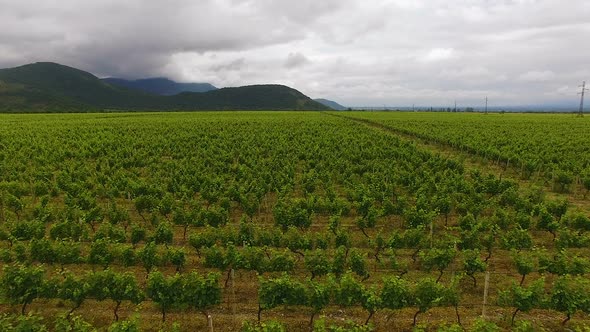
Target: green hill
<point x="51" y="87"/>
<point x="331" y="104"/>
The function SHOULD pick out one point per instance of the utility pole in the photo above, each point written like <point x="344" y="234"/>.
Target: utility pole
<point x="486" y="112"/>
<point x="584" y="89"/>
<point x="455" y="106"/>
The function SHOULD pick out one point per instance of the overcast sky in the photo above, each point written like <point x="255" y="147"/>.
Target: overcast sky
<point x="357" y="52"/>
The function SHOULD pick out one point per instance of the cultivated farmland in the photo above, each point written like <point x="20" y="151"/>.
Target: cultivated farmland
<point x="359" y="221"/>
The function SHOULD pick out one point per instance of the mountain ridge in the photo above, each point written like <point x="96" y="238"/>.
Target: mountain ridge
<point x="159" y="85"/>
<point x="52" y="87"/>
<point x="332" y="104"/>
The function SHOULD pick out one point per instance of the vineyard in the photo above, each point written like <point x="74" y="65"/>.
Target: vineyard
<point x="548" y="148"/>
<point x="293" y="221"/>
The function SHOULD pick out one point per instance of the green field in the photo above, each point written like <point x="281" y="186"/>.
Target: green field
<point x="550" y="144"/>
<point x="360" y="221"/>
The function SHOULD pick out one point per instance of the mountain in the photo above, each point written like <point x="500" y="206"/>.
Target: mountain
<point x="51" y="87"/>
<point x="331" y="104"/>
<point x="253" y="97"/>
<point x="159" y="85"/>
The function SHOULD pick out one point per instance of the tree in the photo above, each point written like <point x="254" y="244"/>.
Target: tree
<point x="438" y="258"/>
<point x="68" y="230"/>
<point x="358" y="264"/>
<point x="452" y="296"/>
<point x="177" y="257"/>
<point x="166" y="292"/>
<point x="444" y="205"/>
<point x="564" y="179"/>
<point x="118" y="215"/>
<point x="215" y="216"/>
<point x="427" y="293"/>
<point x="339" y="261"/>
<point x="570" y="294"/>
<point x="67" y="252"/>
<point x="546" y="221"/>
<point x="100" y="253"/>
<point x="250" y="204"/>
<point x="72" y="324"/>
<point x="334" y="223"/>
<point x="395" y="294"/>
<point x="148" y="256"/>
<point x="317" y="263"/>
<point x="138" y="233"/>
<point x="92" y="216"/>
<point x="201" y="293"/>
<point x="419" y="217"/>
<point x="145" y="203"/>
<point x="368" y="219"/>
<point x="254" y="259"/>
<point x="349" y="292"/>
<point x="525" y="264"/>
<point x="22" y="284"/>
<point x="292" y="214"/>
<point x="42" y="251"/>
<point x="223" y="259"/>
<point x="127" y="256"/>
<point x="296" y="241"/>
<point x="523" y="298"/>
<point x="342" y="239"/>
<point x="182" y="218"/>
<point x="279" y="291"/>
<point x="204" y="239"/>
<point x="578" y="221"/>
<point x="371" y="302"/>
<point x="280" y="261"/>
<point x="15" y="204"/>
<point x="557" y="208"/>
<point x="564" y="262"/>
<point x="317" y="298"/>
<point x="110" y="232"/>
<point x="472" y="263"/>
<point x="27" y="230"/>
<point x="166" y="204"/>
<point x="72" y="288"/>
<point x="124" y="287"/>
<point x="413" y="238"/>
<point x="518" y="239"/>
<point x="163" y="234"/>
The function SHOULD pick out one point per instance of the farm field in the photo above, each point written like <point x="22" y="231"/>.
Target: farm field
<point x="548" y="148"/>
<point x="167" y="220"/>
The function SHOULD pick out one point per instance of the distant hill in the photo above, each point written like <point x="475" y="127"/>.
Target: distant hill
<point x="51" y="87"/>
<point x="331" y="104"/>
<point x="160" y="86"/>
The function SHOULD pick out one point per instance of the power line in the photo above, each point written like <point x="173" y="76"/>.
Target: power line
<point x="584" y="89"/>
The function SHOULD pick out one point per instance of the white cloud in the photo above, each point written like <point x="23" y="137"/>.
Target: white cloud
<point x="537" y="76"/>
<point x="438" y="54"/>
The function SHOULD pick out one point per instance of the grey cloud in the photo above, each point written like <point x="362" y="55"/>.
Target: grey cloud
<point x="232" y="66"/>
<point x="375" y="52"/>
<point x="295" y="60"/>
<point x="136" y="37"/>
